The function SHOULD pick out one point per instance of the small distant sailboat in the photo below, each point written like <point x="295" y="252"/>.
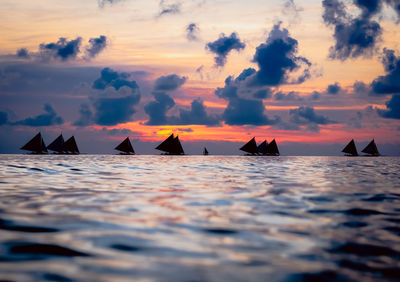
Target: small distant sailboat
<point x="71" y="147"/>
<point x="250" y="147"/>
<point x="262" y="148"/>
<point x="171" y="146"/>
<point x="35" y="145"/>
<point x="58" y="145"/>
<point x="125" y="147"/>
<point x="272" y="149"/>
<point x="205" y="152"/>
<point x="350" y="149"/>
<point x="371" y="149"/>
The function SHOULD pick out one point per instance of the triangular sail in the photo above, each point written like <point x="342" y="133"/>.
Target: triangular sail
<point x="125" y="146"/>
<point x="205" y="152"/>
<point x="371" y="149"/>
<point x="165" y="145"/>
<point x="70" y="146"/>
<point x="351" y="149"/>
<point x="262" y="148"/>
<point x="176" y="147"/>
<point x="250" y="147"/>
<point x="272" y="149"/>
<point x="36" y="144"/>
<point x="58" y="145"/>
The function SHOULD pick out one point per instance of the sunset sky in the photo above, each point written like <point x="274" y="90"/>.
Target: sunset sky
<point x="312" y="74"/>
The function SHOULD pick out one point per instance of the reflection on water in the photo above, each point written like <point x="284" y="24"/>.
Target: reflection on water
<point x="196" y="218"/>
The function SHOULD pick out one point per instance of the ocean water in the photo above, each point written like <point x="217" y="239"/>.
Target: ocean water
<point x="199" y="218"/>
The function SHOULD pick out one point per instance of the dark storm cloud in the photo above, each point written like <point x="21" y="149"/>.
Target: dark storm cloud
<point x="85" y="116"/>
<point x="223" y="46"/>
<point x="192" y="32"/>
<point x="3" y="118"/>
<point x="47" y="119"/>
<point x="355" y="36"/>
<point x="96" y="45"/>
<point x="393" y="108"/>
<point x="169" y="82"/>
<point x="111" y="78"/>
<point x="308" y="117"/>
<point x="389" y="83"/>
<point x="157" y="110"/>
<point x="196" y="115"/>
<point x="23" y="53"/>
<point x="334" y="89"/>
<point x="62" y="49"/>
<point x="242" y="111"/>
<point x="169" y="8"/>
<point x="277" y="59"/>
<point x="112" y="111"/>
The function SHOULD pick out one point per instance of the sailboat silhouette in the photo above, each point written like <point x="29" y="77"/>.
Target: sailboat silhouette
<point x="350" y="149"/>
<point x="58" y="145"/>
<point x="371" y="149"/>
<point x="250" y="147"/>
<point x="272" y="149"/>
<point x="262" y="148"/>
<point x="171" y="146"/>
<point x="71" y="147"/>
<point x="35" y="145"/>
<point x="125" y="147"/>
<point x="205" y="152"/>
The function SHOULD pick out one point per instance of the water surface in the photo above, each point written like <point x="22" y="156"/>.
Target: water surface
<point x="199" y="218"/>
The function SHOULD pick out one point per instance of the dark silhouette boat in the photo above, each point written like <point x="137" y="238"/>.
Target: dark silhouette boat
<point x="171" y="146"/>
<point x="205" y="152"/>
<point x="371" y="149"/>
<point x="262" y="148"/>
<point x="35" y="145"/>
<point x="71" y="147"/>
<point x="250" y="147"/>
<point x="58" y="145"/>
<point x="125" y="147"/>
<point x="272" y="149"/>
<point x="350" y="149"/>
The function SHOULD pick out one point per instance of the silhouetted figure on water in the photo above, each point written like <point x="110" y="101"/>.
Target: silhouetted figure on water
<point x="171" y="146"/>
<point x="125" y="147"/>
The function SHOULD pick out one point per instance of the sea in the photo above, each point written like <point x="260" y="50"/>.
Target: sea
<point x="199" y="218"/>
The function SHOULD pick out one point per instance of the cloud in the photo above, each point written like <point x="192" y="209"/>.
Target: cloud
<point x="47" y="119"/>
<point x="196" y="115"/>
<point x="157" y="110"/>
<point x="355" y="36"/>
<point x="111" y="78"/>
<point x="262" y="94"/>
<point x="96" y="45"/>
<point x="3" y="118"/>
<point x="102" y="3"/>
<point x="393" y="108"/>
<point x="169" y="82"/>
<point x="86" y="116"/>
<point x="277" y="59"/>
<point x="62" y="49"/>
<point x="389" y="83"/>
<point x="334" y="89"/>
<point x="291" y="9"/>
<point x="23" y="53"/>
<point x="223" y="46"/>
<point x="120" y="132"/>
<point x="291" y="96"/>
<point x="112" y="111"/>
<point x="234" y="85"/>
<point x="192" y="32"/>
<point x="307" y="116"/>
<point x="172" y="8"/>
<point x="242" y="111"/>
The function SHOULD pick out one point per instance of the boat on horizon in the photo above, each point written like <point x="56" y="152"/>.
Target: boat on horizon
<point x="71" y="147"/>
<point x="250" y="147"/>
<point x="350" y="149"/>
<point x="205" y="152"/>
<point x="35" y="145"/>
<point x="171" y="146"/>
<point x="58" y="145"/>
<point x="125" y="147"/>
<point x="272" y="149"/>
<point x="371" y="149"/>
<point x="264" y="149"/>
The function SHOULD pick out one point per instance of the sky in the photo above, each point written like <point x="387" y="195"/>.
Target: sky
<point x="310" y="74"/>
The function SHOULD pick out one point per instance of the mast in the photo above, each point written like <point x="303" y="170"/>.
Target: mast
<point x="272" y="149"/>
<point x="351" y="148"/>
<point x="371" y="149"/>
<point x="125" y="147"/>
<point x="262" y="148"/>
<point x="70" y="146"/>
<point x="35" y="145"/>
<point x="250" y="147"/>
<point x="57" y="145"/>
